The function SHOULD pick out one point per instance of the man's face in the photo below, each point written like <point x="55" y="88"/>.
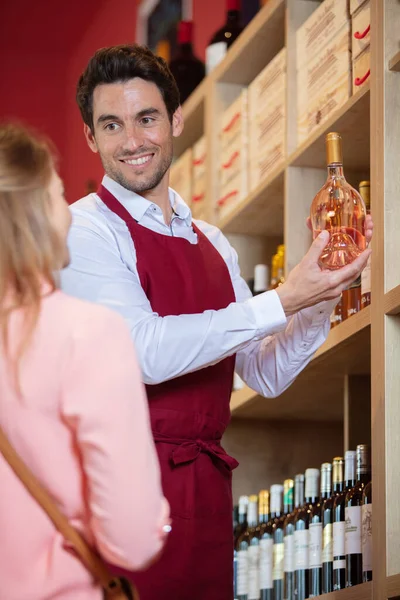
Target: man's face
<point x="133" y="133"/>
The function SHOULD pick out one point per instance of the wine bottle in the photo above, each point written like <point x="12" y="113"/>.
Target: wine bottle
<point x="338" y="208"/>
<point x="327" y="533"/>
<point x="261" y="275"/>
<point x="280" y="277"/>
<point x="239" y="528"/>
<point x="253" y="539"/>
<point x="288" y="531"/>
<point x="242" y="558"/>
<point x="337" y="314"/>
<point x="315" y="534"/>
<point x="301" y="535"/>
<point x="266" y="547"/>
<point x="339" y="558"/>
<point x="187" y="69"/>
<point x="225" y="36"/>
<point x="354" y="571"/>
<point x="274" y="272"/>
<point x="327" y="526"/>
<point x="278" y="546"/>
<point x="364" y="188"/>
<point x="351" y="299"/>
<point x="366" y="539"/>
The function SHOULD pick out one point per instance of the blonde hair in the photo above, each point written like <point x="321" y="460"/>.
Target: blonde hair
<point x="29" y="245"/>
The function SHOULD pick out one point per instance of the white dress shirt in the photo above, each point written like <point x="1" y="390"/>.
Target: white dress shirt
<point x="271" y="350"/>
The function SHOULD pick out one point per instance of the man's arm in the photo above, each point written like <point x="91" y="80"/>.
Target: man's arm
<point x="171" y="346"/>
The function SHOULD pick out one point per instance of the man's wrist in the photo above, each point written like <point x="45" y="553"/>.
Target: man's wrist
<point x="287" y="298"/>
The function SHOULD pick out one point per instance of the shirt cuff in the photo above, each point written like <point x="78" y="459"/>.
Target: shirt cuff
<point x="268" y="313"/>
<point x="318" y="313"/>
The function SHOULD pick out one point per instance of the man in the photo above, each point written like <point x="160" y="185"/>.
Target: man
<point x="135" y="248"/>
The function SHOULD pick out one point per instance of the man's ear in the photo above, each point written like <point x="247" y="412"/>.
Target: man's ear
<point x="177" y="122"/>
<point x="91" y="141"/>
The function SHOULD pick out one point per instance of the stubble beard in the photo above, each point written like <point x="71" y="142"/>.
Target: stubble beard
<point x="142" y="185"/>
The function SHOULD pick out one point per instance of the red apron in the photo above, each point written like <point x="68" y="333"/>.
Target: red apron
<point x="188" y="414"/>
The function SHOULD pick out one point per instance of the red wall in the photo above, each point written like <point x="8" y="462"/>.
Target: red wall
<point x="43" y="55"/>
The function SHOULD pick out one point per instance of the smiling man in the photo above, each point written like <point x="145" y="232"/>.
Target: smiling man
<point x="136" y="249"/>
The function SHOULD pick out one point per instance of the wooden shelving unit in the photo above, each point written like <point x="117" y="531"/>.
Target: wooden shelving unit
<point x="350" y="390"/>
<point x="394" y="63"/>
<point x="358" y="592"/>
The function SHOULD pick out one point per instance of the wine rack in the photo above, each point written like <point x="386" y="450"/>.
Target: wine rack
<point x="352" y="382"/>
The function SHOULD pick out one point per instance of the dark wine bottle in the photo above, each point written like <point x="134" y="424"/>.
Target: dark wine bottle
<point x="354" y="569"/>
<point x="187" y="69"/>
<point x="239" y="528"/>
<point x="327" y="526"/>
<point x="278" y="547"/>
<point x="339" y="554"/>
<point x="301" y="535"/>
<point x="225" y="36"/>
<point x="326" y="529"/>
<point x="253" y="550"/>
<point x="266" y="546"/>
<point x="288" y="531"/>
<point x="315" y="534"/>
<point x="242" y="557"/>
<point x="366" y="539"/>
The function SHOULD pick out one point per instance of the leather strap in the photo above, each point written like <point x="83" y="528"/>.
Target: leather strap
<point x="95" y="565"/>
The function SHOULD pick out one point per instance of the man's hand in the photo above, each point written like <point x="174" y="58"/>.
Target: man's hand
<point x="308" y="284"/>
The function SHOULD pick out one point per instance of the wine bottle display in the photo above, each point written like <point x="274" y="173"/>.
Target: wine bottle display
<point x="328" y="524"/>
<point x="266" y="548"/>
<point x="301" y="535"/>
<point x="338" y="208"/>
<point x="278" y="547"/>
<point x="288" y="532"/>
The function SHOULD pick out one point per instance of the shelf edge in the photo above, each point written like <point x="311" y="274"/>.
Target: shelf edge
<point x="394" y="63"/>
<point x="392" y="301"/>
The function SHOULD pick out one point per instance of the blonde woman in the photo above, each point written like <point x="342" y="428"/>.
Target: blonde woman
<point x="71" y="400"/>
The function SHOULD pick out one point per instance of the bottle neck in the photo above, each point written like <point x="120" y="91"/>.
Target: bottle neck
<point x="312" y="499"/>
<point x="242" y="518"/>
<point x="263" y="518"/>
<point x="325" y="495"/>
<point x="299" y="494"/>
<point x="364" y="478"/>
<point x="233" y="17"/>
<point x="186" y="48"/>
<point x="288" y="508"/>
<point x="338" y="487"/>
<point x="335" y="170"/>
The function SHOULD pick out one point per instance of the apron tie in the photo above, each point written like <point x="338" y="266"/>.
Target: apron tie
<point x="187" y="451"/>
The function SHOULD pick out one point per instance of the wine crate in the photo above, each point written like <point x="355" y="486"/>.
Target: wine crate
<point x="199" y="156"/>
<point x="233" y="166"/>
<point x="355" y="5"/>
<point x="324" y="85"/>
<point x="360" y="24"/>
<point x="269" y="83"/>
<point x="181" y="176"/>
<point x="319" y="29"/>
<point x="361" y="69"/>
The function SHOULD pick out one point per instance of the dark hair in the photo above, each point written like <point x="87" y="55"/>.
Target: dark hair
<point x="121" y="63"/>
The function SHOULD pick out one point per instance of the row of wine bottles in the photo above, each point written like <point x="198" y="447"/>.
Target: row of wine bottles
<point x="309" y="537"/>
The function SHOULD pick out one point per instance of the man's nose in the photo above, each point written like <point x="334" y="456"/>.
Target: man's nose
<point x="134" y="138"/>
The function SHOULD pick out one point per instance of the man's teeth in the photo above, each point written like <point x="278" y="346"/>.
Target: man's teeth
<point x="138" y="161"/>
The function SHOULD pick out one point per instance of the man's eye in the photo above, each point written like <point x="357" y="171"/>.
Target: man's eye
<point x="147" y="120"/>
<point x="112" y="126"/>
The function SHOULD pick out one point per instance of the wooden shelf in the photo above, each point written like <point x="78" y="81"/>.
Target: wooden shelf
<point x="393" y="586"/>
<point x="261" y="212"/>
<point x="358" y="592"/>
<point x="394" y="63"/>
<point x="392" y="301"/>
<point x="315" y="394"/>
<point x="193" y="115"/>
<point x="352" y="121"/>
<point x="255" y="47"/>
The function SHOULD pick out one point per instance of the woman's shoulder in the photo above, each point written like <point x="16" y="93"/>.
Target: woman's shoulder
<point x="80" y="318"/>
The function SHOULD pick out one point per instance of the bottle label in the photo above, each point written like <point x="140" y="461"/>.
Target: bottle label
<point x="214" y="54"/>
<point x="277" y="572"/>
<point x="266" y="564"/>
<point x="289" y="553"/>
<point x="366" y="278"/>
<point x="242" y="572"/>
<point x="315" y="546"/>
<point x="366" y="540"/>
<point x="338" y="540"/>
<point x="253" y="584"/>
<point x="301" y="549"/>
<point x="353" y="530"/>
<point x="327" y="544"/>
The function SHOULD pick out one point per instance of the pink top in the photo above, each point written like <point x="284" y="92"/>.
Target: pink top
<point x="83" y="428"/>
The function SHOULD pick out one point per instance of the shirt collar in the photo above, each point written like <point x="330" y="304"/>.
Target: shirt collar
<point x="137" y="206"/>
